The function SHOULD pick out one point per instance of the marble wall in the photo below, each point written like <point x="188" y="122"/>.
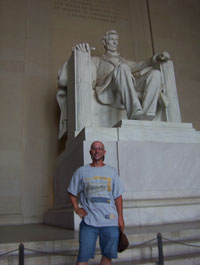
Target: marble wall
<point x="36" y="38"/>
<point x="175" y="27"/>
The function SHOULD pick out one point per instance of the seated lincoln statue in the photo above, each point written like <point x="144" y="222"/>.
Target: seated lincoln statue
<point x="121" y="83"/>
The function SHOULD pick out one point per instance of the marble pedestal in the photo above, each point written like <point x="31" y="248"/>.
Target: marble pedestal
<point x="159" y="163"/>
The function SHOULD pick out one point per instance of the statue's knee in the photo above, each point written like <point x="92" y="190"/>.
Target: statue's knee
<point x="156" y="74"/>
<point x="123" y="67"/>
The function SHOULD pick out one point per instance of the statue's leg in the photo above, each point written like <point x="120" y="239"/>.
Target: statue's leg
<point x="150" y="84"/>
<point x="124" y="84"/>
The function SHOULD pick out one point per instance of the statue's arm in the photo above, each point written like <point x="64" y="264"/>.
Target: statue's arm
<point x="94" y="66"/>
<point x="61" y="97"/>
<point x="137" y="67"/>
<point x="62" y="76"/>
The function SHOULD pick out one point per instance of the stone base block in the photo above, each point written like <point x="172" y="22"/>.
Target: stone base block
<point x="63" y="217"/>
<point x="159" y="164"/>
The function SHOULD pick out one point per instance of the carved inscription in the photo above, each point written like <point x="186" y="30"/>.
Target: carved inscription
<point x="103" y="10"/>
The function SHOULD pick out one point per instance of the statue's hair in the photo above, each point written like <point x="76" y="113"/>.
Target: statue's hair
<point x="107" y="34"/>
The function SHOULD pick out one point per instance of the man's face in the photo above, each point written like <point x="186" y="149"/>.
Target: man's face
<point x="97" y="151"/>
<point x="112" y="42"/>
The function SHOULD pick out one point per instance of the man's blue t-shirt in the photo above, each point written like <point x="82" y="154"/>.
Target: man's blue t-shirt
<point x="98" y="188"/>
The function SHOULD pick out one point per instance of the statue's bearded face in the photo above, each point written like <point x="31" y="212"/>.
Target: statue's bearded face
<point x="112" y="42"/>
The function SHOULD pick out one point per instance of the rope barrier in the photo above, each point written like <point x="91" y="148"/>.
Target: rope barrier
<point x="8" y="252"/>
<point x="66" y="253"/>
<point x="181" y="243"/>
<point x="56" y="253"/>
<point x="144" y="243"/>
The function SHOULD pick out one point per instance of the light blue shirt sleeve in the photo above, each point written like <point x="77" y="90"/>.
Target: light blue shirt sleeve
<point x="118" y="188"/>
<point x="75" y="186"/>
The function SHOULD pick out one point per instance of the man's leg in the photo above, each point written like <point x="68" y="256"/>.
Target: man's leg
<point x="87" y="243"/>
<point x="105" y="261"/>
<point x="109" y="240"/>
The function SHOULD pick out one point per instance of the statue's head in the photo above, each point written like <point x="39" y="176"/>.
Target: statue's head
<point x="110" y="40"/>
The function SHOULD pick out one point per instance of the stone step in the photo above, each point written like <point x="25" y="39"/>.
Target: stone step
<point x="62" y="255"/>
<point x="184" y="259"/>
<point x="138" y="252"/>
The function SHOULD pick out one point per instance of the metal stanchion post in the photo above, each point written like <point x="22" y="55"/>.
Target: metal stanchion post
<point x="160" y="249"/>
<point x="21" y="254"/>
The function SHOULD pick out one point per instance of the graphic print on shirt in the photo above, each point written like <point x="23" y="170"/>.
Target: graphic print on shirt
<point x="97" y="188"/>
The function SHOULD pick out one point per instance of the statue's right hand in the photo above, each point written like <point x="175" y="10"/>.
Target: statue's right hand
<point x="84" y="47"/>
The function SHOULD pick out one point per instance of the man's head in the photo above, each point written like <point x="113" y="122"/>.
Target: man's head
<point x="97" y="151"/>
<point x="110" y="40"/>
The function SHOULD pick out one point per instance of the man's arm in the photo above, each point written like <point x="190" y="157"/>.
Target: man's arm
<point x="74" y="201"/>
<point x="119" y="206"/>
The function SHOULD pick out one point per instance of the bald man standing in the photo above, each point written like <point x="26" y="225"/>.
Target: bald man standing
<point x="100" y="195"/>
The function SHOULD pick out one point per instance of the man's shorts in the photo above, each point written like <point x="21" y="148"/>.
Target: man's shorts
<point x="108" y="240"/>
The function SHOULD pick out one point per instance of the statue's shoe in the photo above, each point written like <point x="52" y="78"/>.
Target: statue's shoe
<point x="144" y="117"/>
